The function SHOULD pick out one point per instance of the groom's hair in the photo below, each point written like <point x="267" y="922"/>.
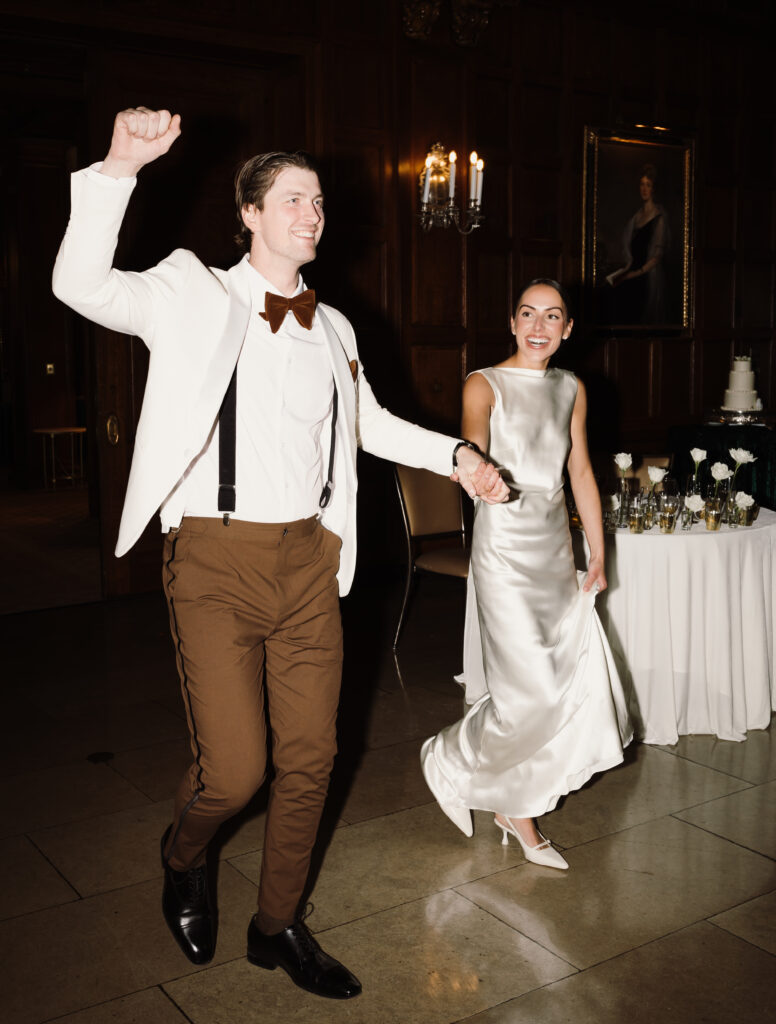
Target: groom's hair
<point x="256" y="177"/>
<point x="550" y="283"/>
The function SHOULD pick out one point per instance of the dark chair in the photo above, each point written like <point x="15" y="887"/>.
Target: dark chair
<point x="431" y="510"/>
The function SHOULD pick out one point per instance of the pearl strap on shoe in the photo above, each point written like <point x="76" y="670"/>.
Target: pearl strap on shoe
<point x="543" y="854"/>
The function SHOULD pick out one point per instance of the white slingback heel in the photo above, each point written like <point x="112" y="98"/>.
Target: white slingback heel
<point x="543" y="854"/>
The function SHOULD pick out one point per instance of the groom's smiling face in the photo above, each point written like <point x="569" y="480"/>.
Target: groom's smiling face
<point x="290" y="225"/>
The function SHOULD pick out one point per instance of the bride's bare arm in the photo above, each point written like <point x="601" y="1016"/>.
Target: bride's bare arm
<point x="478" y="400"/>
<point x="585" y="489"/>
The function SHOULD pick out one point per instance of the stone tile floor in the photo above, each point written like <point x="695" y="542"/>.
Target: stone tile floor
<point x="668" y="912"/>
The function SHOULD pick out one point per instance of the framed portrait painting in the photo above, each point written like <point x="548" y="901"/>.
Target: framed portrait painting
<point x="637" y="230"/>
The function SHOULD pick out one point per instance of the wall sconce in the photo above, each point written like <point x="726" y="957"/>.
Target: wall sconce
<point x="437" y="191"/>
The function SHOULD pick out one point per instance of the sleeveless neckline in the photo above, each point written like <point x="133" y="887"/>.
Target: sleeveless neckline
<point x="524" y="371"/>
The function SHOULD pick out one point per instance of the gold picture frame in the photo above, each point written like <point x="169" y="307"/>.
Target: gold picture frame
<point x="637" y="230"/>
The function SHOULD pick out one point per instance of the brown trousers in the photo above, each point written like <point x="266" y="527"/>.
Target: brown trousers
<point x="254" y="611"/>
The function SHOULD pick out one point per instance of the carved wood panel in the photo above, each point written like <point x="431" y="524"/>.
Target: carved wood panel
<point x="43" y="362"/>
<point x="437" y="373"/>
<point x="716" y="296"/>
<point x="757" y="220"/>
<point x="716" y="356"/>
<point x="493" y="290"/>
<point x="540" y="124"/>
<point x="761" y="351"/>
<point x="540" y="209"/>
<point x="755" y="306"/>
<point x="675" y="401"/>
<point x="718" y="218"/>
<point x="589" y="56"/>
<point x="631" y="360"/>
<point x="358" y="97"/>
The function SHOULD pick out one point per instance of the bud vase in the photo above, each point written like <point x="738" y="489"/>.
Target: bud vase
<point x="623" y="513"/>
<point x="713" y="513"/>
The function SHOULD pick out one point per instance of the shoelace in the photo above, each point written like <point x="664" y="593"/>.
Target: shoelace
<point x="196" y="879"/>
<point x="308" y="947"/>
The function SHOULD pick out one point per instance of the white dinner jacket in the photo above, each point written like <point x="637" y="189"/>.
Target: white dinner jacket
<point x="194" y="321"/>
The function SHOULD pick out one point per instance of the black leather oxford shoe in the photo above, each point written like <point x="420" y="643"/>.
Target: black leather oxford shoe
<point x="188" y="911"/>
<point x="296" y="951"/>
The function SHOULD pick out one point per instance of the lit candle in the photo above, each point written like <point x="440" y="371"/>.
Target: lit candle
<point x="427" y="180"/>
<point x="480" y="176"/>
<point x="453" y="157"/>
<point x="472" y="175"/>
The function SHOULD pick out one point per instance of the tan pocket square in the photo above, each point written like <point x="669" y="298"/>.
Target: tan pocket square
<point x="354" y="368"/>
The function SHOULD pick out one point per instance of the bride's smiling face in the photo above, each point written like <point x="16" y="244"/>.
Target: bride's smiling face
<point x="539" y="325"/>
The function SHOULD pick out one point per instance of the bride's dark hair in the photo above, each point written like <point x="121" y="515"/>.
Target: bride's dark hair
<point x="550" y="283"/>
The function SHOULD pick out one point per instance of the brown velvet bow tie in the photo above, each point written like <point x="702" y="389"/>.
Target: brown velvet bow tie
<point x="276" y="307"/>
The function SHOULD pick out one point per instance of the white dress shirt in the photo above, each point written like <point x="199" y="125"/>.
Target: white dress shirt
<point x="284" y="394"/>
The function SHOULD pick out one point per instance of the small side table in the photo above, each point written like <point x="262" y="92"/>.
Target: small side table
<point x="72" y="471"/>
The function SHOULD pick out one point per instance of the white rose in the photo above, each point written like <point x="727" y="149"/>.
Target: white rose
<point x="694" y="502"/>
<point x="721" y="472"/>
<point x="623" y="460"/>
<point x="741" y="456"/>
<point x="656" y="473"/>
<point x="744" y="500"/>
<point x="698" y="455"/>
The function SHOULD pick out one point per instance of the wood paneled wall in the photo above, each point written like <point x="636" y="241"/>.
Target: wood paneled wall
<point x="342" y="78"/>
<point x="540" y="73"/>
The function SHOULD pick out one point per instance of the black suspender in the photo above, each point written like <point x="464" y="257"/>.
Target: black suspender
<point x="326" y="492"/>
<point x="227" y="447"/>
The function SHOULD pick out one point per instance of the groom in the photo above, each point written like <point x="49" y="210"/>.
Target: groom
<point x="254" y="405"/>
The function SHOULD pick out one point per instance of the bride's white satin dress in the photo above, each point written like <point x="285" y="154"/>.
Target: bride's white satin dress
<point x="547" y="709"/>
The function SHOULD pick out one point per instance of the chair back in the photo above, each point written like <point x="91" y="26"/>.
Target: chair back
<point x="432" y="513"/>
<point x="431" y="502"/>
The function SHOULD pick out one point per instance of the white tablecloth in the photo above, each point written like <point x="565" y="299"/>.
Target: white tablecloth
<point x="690" y="618"/>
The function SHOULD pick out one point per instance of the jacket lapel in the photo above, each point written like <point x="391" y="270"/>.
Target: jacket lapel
<point x="225" y="352"/>
<point x="343" y="380"/>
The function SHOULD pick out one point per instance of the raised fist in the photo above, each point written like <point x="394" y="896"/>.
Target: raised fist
<point x="140" y="135"/>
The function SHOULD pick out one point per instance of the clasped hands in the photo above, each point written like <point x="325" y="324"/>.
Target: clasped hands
<point x="479" y="478"/>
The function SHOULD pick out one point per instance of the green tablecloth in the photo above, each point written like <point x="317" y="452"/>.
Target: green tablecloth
<point x="757" y="478"/>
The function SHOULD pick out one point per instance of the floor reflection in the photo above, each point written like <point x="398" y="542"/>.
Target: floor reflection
<point x="669" y="901"/>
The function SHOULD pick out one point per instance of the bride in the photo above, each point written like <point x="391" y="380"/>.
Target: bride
<point x="545" y="705"/>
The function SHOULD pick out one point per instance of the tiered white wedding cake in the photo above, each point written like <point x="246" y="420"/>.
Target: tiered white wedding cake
<point x="740" y="393"/>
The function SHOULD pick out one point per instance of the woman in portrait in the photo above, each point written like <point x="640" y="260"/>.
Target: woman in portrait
<point x="640" y="284"/>
<point x="545" y="705"/>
